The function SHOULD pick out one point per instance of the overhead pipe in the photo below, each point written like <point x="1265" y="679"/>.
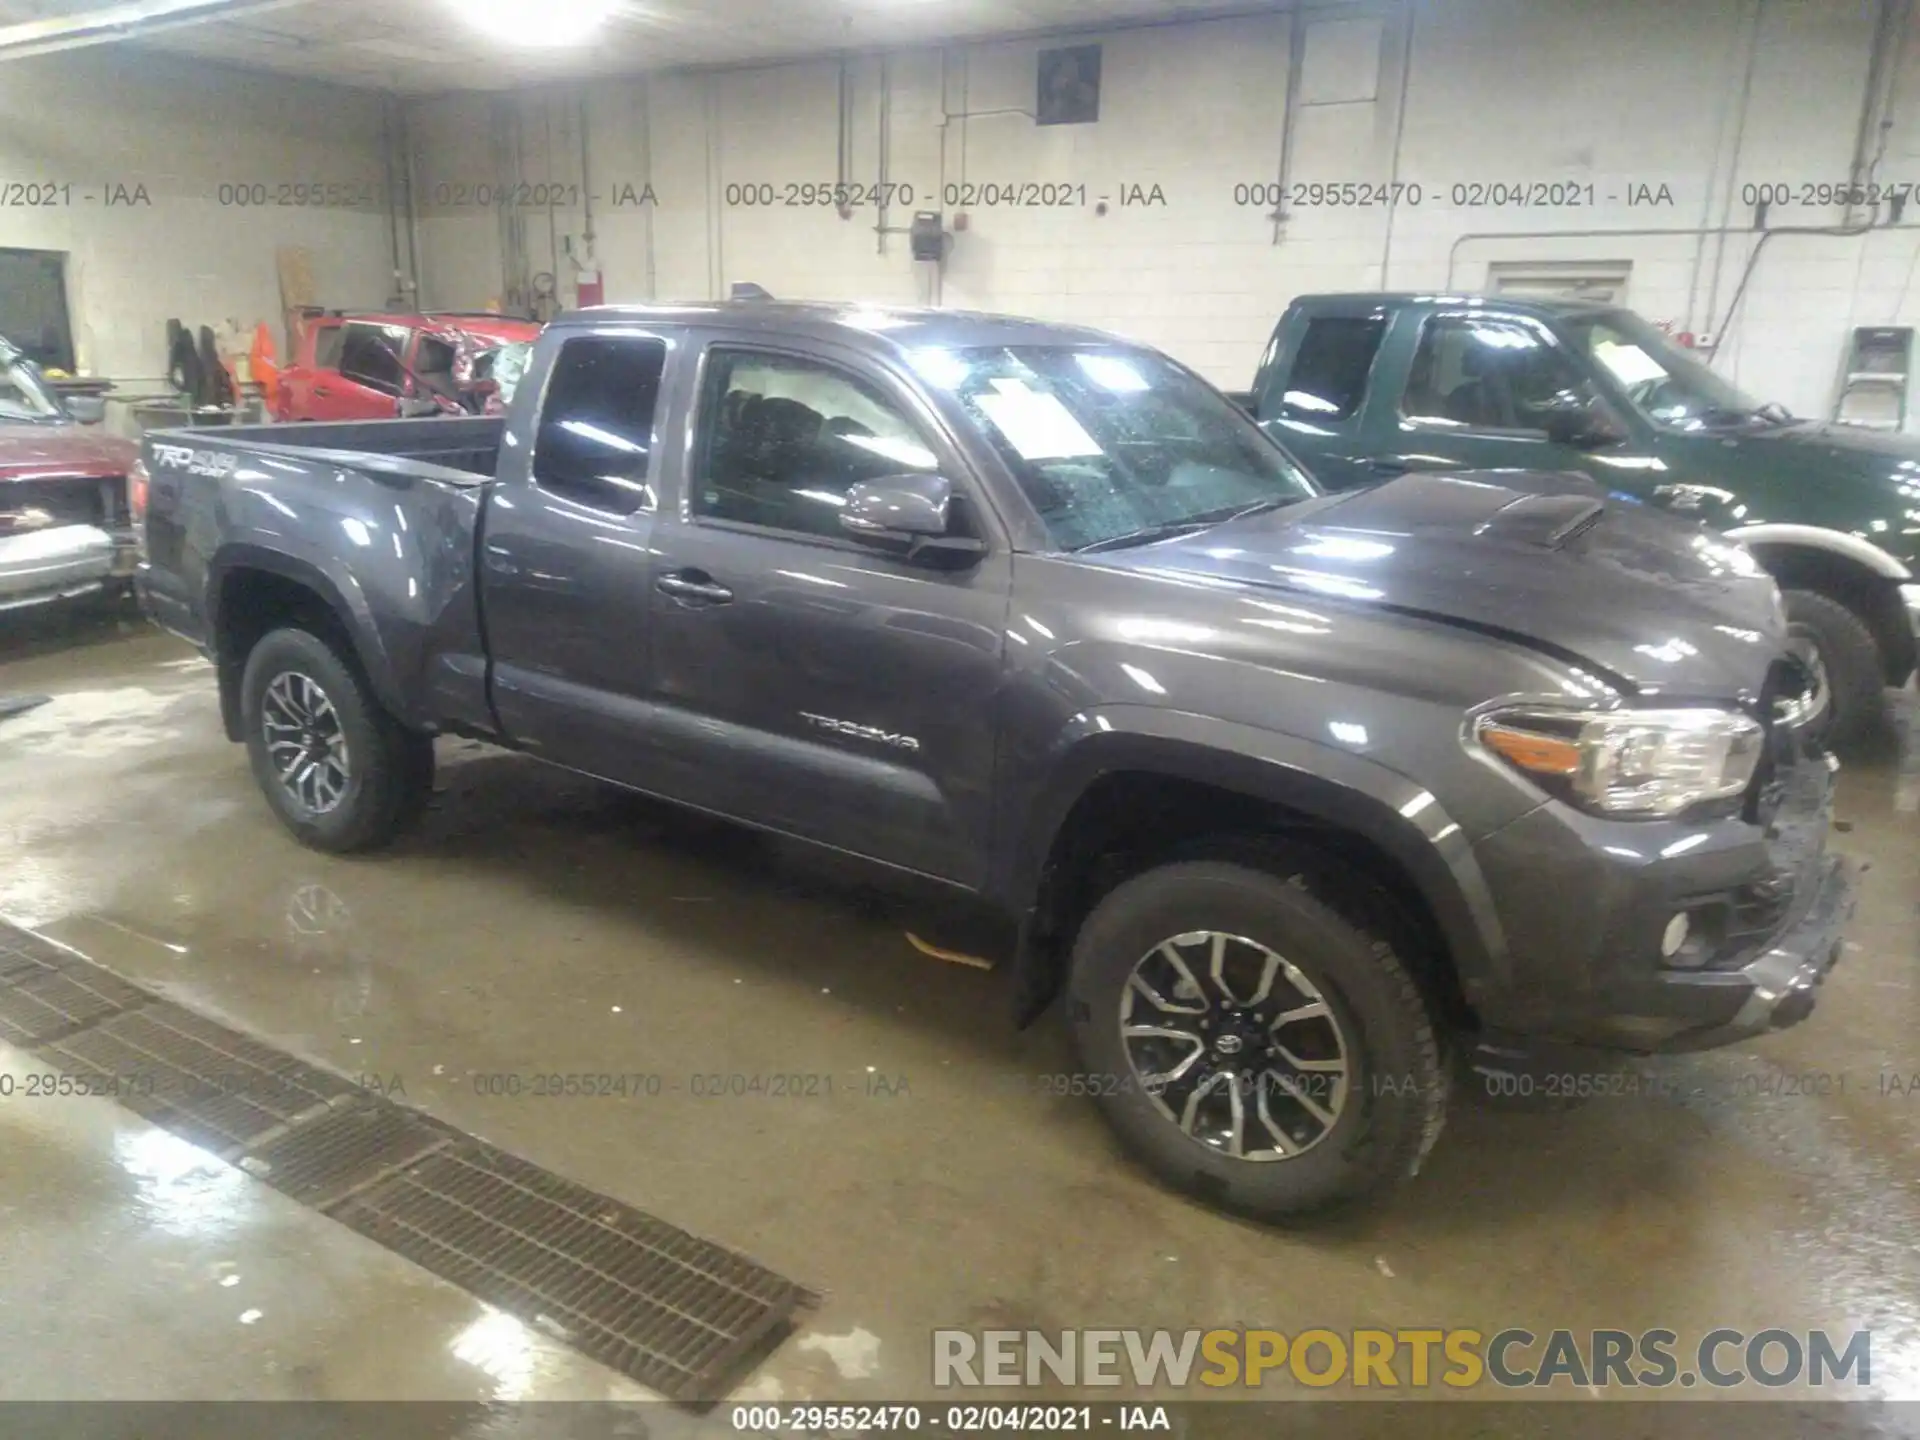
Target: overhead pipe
<point x="843" y="164"/>
<point x="1755" y="19"/>
<point x="1407" y="35"/>
<point x="1290" y="114"/>
<point x="885" y="178"/>
<point x="132" y="20"/>
<point x="646" y="169"/>
<point x="1878" y="95"/>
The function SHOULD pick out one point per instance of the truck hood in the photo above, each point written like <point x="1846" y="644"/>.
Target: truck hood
<point x="1546" y="559"/>
<point x="56" y="451"/>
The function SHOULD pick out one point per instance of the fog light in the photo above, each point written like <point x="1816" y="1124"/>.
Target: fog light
<point x="1675" y="936"/>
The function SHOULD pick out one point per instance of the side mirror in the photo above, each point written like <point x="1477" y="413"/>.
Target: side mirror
<point x="1582" y="424"/>
<point x="87" y="409"/>
<point x="897" y="507"/>
<point x="909" y="512"/>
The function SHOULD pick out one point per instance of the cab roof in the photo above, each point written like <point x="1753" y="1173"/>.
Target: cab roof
<point x="867" y="327"/>
<point x="1540" y="305"/>
<point x="487" y="324"/>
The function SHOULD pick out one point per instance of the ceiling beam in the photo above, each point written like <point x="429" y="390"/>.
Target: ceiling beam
<point x="129" y="20"/>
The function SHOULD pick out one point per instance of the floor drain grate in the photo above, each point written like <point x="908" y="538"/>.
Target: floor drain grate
<point x="344" y="1152"/>
<point x="204" y="1082"/>
<point x="675" y="1312"/>
<point x="23" y="954"/>
<point x="44" y="1004"/>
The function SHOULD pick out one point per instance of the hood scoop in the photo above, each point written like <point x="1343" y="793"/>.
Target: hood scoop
<point x="1550" y="522"/>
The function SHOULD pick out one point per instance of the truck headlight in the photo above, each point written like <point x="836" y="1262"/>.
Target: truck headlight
<point x="1630" y="763"/>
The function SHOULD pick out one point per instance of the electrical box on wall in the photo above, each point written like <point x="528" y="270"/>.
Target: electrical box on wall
<point x="927" y="237"/>
<point x="1874" y="376"/>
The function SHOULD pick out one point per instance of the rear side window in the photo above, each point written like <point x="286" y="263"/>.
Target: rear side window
<point x="370" y="354"/>
<point x="1328" y="379"/>
<point x="596" y="424"/>
<point x="326" y="346"/>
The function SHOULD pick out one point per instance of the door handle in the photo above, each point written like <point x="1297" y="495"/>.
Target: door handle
<point x="685" y="586"/>
<point x="1388" y="465"/>
<point x="322" y="390"/>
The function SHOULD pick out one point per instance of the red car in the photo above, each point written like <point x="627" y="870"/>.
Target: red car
<point x="375" y="367"/>
<point x="64" y="524"/>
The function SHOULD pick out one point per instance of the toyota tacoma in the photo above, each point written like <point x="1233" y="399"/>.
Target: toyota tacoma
<point x="1286" y="796"/>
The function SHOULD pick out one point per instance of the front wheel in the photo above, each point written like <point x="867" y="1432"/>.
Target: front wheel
<point x="1846" y="683"/>
<point x="1254" y="1047"/>
<point x="340" y="772"/>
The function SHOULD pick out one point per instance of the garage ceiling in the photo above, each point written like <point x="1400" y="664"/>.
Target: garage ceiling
<point x="423" y="45"/>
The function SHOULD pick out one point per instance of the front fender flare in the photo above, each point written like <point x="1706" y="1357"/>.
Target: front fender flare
<point x="1864" y="553"/>
<point x="1396" y="815"/>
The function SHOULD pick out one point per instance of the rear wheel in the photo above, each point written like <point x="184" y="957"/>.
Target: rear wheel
<point x="1251" y="1044"/>
<point x="340" y="772"/>
<point x="1847" y="692"/>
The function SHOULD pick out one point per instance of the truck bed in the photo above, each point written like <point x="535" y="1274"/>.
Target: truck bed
<point x="378" y="518"/>
<point x="459" y="450"/>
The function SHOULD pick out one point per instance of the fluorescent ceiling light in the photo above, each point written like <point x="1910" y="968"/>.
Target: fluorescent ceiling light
<point x="538" y="22"/>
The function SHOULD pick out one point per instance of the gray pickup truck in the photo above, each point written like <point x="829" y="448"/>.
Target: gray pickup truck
<point x="1295" y="795"/>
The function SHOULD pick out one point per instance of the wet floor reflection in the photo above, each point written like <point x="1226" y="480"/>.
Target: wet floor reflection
<point x="545" y="925"/>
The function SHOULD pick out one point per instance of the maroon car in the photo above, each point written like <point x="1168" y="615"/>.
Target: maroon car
<point x="65" y="530"/>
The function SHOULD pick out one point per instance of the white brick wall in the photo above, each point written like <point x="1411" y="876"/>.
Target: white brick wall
<point x="100" y="116"/>
<point x="1612" y="92"/>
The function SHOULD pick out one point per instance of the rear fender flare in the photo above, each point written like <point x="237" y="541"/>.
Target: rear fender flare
<point x="344" y="598"/>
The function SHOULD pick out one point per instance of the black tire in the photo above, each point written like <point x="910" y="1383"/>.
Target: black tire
<point x="1396" y="1082"/>
<point x="1855" y="678"/>
<point x="388" y="768"/>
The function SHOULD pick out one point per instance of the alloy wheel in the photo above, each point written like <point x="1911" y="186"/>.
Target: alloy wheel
<point x="1235" y="1045"/>
<point x="1809" y="708"/>
<point x="305" y="742"/>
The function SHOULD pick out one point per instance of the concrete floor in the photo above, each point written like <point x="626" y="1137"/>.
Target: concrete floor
<point x="545" y="924"/>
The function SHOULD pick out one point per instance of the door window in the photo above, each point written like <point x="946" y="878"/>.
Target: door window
<point x="1668" y="384"/>
<point x="1485" y="374"/>
<point x="433" y="366"/>
<point x="785" y="439"/>
<point x="596" y="423"/>
<point x="326" y="346"/>
<point x="370" y="356"/>
<point x="1330" y="369"/>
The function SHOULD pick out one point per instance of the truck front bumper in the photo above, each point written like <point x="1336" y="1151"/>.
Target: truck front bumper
<point x="1590" y="907"/>
<point x="63" y="562"/>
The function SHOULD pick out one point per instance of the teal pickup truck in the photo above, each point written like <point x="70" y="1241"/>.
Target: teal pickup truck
<point x="1365" y="387"/>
